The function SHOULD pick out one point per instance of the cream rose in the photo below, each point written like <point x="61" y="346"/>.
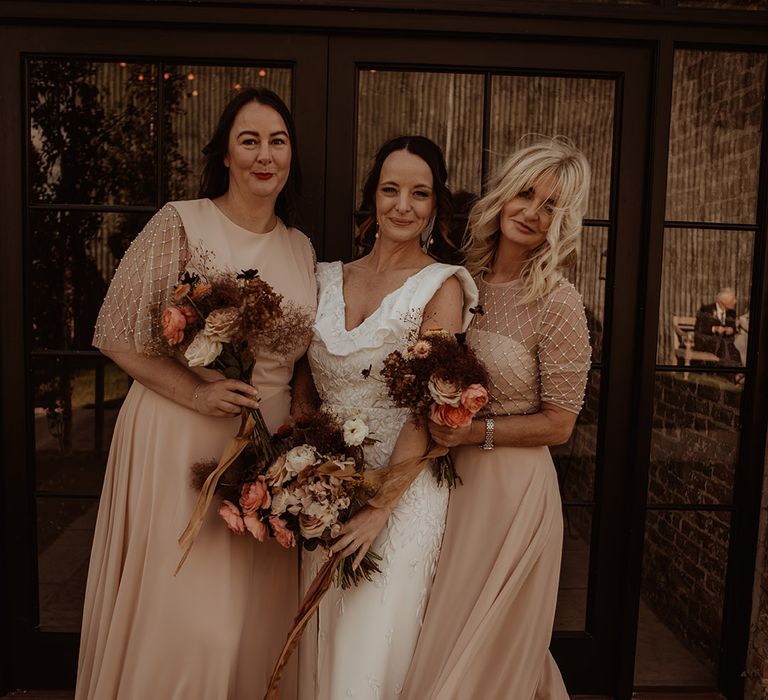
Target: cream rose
<point x="444" y="392"/>
<point x="202" y="351"/>
<point x="299" y="458"/>
<point x="355" y="431"/>
<point x="220" y="324"/>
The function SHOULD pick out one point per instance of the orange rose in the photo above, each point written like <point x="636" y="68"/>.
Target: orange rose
<point x="283" y="535"/>
<point x="200" y="291"/>
<point x="173" y="323"/>
<point x="452" y="416"/>
<point x="254" y="495"/>
<point x="257" y="528"/>
<point x="231" y="514"/>
<point x="181" y="291"/>
<point x="474" y="397"/>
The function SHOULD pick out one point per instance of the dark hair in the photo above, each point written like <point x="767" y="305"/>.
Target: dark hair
<point x="214" y="180"/>
<point x="430" y="153"/>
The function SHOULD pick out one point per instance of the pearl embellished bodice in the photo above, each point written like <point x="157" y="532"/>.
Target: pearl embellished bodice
<point x="535" y="352"/>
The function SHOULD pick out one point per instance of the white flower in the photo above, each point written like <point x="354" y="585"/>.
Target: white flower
<point x="355" y="431"/>
<point x="284" y="500"/>
<point x="202" y="351"/>
<point x="444" y="392"/>
<point x="299" y="458"/>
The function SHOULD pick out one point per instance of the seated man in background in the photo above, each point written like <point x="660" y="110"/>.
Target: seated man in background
<point x="716" y="328"/>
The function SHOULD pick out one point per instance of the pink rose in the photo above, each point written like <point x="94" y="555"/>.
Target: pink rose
<point x="189" y="313"/>
<point x="254" y="495"/>
<point x="452" y="416"/>
<point x="173" y="323"/>
<point x="282" y="534"/>
<point x="474" y="397"/>
<point x="257" y="528"/>
<point x="231" y="514"/>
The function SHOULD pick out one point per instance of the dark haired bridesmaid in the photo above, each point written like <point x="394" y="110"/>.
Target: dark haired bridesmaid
<point x="213" y="631"/>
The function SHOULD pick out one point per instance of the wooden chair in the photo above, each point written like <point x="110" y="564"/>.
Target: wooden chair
<point x="683" y="327"/>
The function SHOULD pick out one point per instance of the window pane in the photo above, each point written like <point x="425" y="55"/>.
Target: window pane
<point x="571" y="611"/>
<point x="76" y="401"/>
<point x="588" y="275"/>
<point x="446" y="107"/>
<point x="697" y="264"/>
<point x="575" y="460"/>
<point x="580" y="109"/>
<point x="714" y="147"/>
<point x="64" y="535"/>
<point x="73" y="258"/>
<point x="194" y="98"/>
<point x="695" y="439"/>
<point x="681" y="604"/>
<point x="92" y="132"/>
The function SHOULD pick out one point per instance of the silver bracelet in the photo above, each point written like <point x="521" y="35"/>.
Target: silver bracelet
<point x="488" y="444"/>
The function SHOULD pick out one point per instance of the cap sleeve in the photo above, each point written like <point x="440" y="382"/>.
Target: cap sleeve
<point x="143" y="284"/>
<point x="564" y="350"/>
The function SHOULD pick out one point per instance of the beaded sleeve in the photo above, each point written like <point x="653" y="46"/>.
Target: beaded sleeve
<point x="563" y="349"/>
<point x="142" y="284"/>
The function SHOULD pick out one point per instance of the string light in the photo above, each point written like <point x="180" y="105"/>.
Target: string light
<point x="166" y="76"/>
<point x="372" y="70"/>
<point x="194" y="93"/>
<point x="123" y="64"/>
<point x="141" y="76"/>
<point x="262" y="73"/>
<point x="190" y="75"/>
<point x="238" y="86"/>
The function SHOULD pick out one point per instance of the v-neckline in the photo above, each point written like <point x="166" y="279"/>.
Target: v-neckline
<point x="381" y="303"/>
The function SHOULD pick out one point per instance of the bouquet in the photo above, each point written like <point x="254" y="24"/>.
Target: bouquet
<point x="439" y="378"/>
<point x="222" y="323"/>
<point x="314" y="484"/>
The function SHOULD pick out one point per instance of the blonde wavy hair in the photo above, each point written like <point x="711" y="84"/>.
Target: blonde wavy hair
<point x="556" y="157"/>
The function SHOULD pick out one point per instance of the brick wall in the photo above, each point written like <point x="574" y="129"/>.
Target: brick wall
<point x="756" y="686"/>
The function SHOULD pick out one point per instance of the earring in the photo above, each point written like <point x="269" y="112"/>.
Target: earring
<point x="426" y="234"/>
<point x="376" y="230"/>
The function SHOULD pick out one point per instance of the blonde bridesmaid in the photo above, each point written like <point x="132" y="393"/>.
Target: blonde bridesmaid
<point x="489" y="619"/>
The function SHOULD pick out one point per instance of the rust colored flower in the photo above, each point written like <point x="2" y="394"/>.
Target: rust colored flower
<point x="173" y="323"/>
<point x="283" y="535"/>
<point x="474" y="397"/>
<point x="452" y="416"/>
<point x="231" y="515"/>
<point x="200" y="291"/>
<point x="254" y="495"/>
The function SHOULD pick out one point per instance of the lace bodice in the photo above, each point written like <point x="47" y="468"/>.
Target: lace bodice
<point x="535" y="352"/>
<point x="338" y="356"/>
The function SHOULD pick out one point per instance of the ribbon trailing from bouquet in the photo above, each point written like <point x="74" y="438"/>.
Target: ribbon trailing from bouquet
<point x="231" y="453"/>
<point x="389" y="483"/>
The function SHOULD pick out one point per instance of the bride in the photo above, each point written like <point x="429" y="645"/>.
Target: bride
<point x="364" y="637"/>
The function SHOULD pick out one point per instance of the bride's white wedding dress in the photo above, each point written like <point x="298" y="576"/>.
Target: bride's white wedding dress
<point x="362" y="640"/>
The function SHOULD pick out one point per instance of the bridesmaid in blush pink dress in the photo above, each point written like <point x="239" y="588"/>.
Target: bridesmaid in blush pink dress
<point x="213" y="631"/>
<point x="489" y="619"/>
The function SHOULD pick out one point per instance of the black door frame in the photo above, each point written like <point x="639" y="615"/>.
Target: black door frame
<point x="36" y="658"/>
